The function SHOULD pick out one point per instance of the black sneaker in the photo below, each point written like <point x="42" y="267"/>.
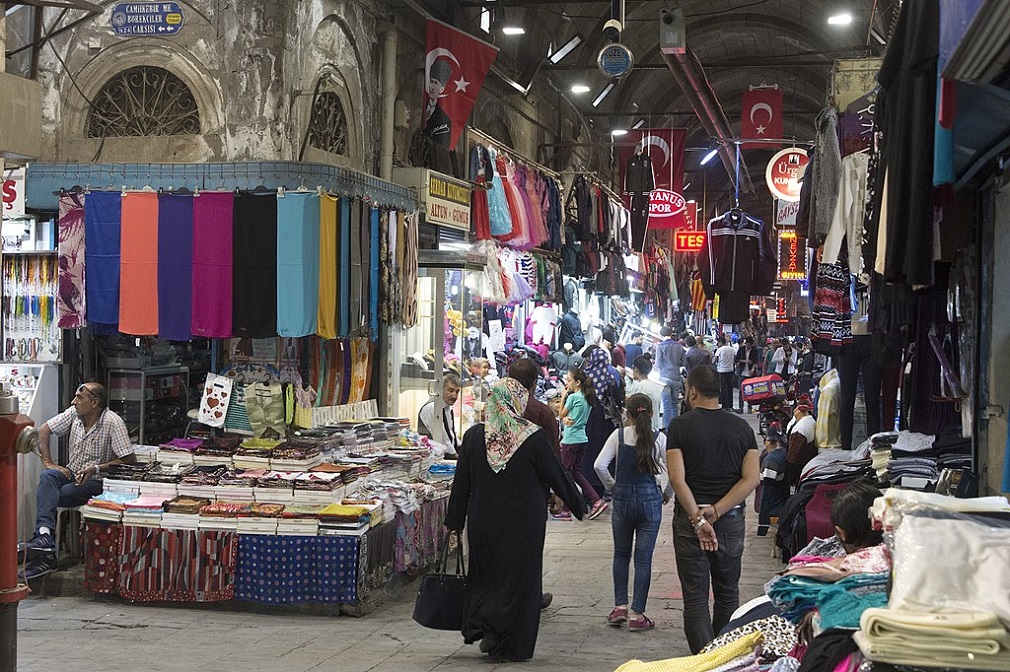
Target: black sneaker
<point x="545" y="600"/>
<point x="38" y="567"/>
<point x="40" y="543"/>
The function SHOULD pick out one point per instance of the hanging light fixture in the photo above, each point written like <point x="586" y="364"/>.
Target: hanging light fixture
<point x="708" y="157"/>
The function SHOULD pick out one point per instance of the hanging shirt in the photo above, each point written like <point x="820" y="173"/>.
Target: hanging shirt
<point x="738" y="254"/>
<point x="847" y="223"/>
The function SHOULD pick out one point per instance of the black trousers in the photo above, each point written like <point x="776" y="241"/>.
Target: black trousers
<point x="859" y="358"/>
<point x="727" y="381"/>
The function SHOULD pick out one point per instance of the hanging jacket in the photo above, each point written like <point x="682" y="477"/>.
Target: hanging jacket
<point x="738" y="255"/>
<point x="638" y="177"/>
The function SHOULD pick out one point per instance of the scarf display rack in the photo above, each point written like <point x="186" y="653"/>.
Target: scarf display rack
<point x="30" y="331"/>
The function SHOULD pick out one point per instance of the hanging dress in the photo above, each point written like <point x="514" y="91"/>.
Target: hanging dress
<point x="512" y="199"/>
<point x="500" y="219"/>
<point x="521" y="183"/>
<point x="480" y="214"/>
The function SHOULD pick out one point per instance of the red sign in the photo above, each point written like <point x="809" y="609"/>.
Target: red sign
<point x="784" y="172"/>
<point x="688" y="241"/>
<point x="691" y="215"/>
<point x="664" y="208"/>
<point x="792" y="256"/>
<point x="761" y="117"/>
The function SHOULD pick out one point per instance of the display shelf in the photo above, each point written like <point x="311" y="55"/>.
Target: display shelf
<point x="133" y="392"/>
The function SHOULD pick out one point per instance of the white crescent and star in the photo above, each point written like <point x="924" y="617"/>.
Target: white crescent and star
<point x="657" y="142"/>
<point x="761" y="106"/>
<point x="432" y="56"/>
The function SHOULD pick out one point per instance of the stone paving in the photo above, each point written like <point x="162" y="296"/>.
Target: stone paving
<point x="109" y="635"/>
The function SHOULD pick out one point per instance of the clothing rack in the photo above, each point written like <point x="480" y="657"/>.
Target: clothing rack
<point x="500" y="146"/>
<point x="595" y="178"/>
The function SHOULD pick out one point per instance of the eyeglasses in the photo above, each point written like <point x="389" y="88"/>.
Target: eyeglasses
<point x="84" y="388"/>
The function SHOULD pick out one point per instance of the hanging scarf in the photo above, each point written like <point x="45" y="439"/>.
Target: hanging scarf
<point x="505" y="428"/>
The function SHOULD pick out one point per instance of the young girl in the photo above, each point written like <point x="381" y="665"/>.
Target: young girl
<point x="577" y="397"/>
<point x="640" y="488"/>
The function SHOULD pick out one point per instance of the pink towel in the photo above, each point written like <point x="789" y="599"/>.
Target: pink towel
<point x="212" y="264"/>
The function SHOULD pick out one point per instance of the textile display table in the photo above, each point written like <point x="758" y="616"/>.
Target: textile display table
<point x="149" y="564"/>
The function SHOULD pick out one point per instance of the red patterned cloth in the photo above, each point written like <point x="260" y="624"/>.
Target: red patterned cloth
<point x="176" y="565"/>
<point x="101" y="544"/>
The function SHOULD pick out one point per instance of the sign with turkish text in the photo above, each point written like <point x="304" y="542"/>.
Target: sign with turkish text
<point x="455" y="66"/>
<point x="665" y="148"/>
<point x="615" y="61"/>
<point x="135" y="19"/>
<point x="447" y="203"/>
<point x="792" y="256"/>
<point x="784" y="172"/>
<point x="785" y="214"/>
<point x="688" y="241"/>
<point x="761" y="118"/>
<point x="691" y="215"/>
<point x="14" y="192"/>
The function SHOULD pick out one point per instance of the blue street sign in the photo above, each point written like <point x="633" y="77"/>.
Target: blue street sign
<point x="151" y="19"/>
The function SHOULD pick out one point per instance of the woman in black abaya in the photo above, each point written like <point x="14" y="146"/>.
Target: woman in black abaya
<point x="500" y="491"/>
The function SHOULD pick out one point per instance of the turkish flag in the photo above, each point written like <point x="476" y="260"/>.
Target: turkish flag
<point x="455" y="66"/>
<point x="666" y="149"/>
<point x="761" y="117"/>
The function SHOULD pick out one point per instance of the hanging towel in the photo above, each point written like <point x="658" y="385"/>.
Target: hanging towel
<point x="373" y="284"/>
<point x="102" y="211"/>
<point x="355" y="268"/>
<point x="344" y="250"/>
<point x="175" y="267"/>
<point x="212" y="254"/>
<point x="254" y="266"/>
<point x="138" y="265"/>
<point x="298" y="256"/>
<point x="408" y="288"/>
<point x="328" y="261"/>
<point x="70" y="296"/>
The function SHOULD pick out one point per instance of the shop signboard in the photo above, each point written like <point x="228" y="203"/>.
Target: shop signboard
<point x="785" y="214"/>
<point x="153" y="19"/>
<point x="14" y="192"/>
<point x="688" y="241"/>
<point x="445" y="200"/>
<point x="666" y="205"/>
<point x="792" y="256"/>
<point x="615" y="61"/>
<point x="784" y="172"/>
<point x="691" y="216"/>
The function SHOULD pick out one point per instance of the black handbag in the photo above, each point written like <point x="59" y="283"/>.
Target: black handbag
<point x="439" y="604"/>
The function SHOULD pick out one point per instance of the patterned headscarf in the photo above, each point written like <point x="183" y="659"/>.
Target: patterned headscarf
<point x="505" y="428"/>
<point x="597" y="369"/>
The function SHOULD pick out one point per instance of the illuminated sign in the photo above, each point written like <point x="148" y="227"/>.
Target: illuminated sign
<point x="666" y="204"/>
<point x="784" y="172"/>
<point x="792" y="256"/>
<point x="688" y="241"/>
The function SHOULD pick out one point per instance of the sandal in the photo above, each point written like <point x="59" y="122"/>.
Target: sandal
<point x="619" y="616"/>
<point x="641" y="624"/>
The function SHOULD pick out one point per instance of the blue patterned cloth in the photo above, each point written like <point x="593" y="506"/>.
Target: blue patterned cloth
<point x="290" y="570"/>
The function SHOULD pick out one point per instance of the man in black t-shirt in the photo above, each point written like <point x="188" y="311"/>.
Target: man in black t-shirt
<point x="712" y="456"/>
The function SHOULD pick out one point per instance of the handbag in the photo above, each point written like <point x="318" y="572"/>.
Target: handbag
<point x="439" y="604"/>
<point x="215" y="400"/>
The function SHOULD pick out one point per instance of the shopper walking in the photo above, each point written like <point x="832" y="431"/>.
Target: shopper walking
<point x="642" y="384"/>
<point x="696" y="355"/>
<point x="748" y="362"/>
<point x="712" y="456"/>
<point x="505" y="466"/>
<point x="725" y="364"/>
<point x="576" y="400"/>
<point x="640" y="487"/>
<point x="669" y="359"/>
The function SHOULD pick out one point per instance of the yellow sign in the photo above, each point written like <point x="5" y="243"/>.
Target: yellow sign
<point x="447" y="203"/>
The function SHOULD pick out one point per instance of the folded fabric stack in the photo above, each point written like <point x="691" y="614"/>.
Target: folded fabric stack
<point x="144" y="511"/>
<point x="216" y="450"/>
<point x="442" y="470"/>
<point x="183" y="512"/>
<point x="255" y="454"/>
<point x="200" y="480"/>
<point x="881" y="445"/>
<point x="375" y="508"/>
<point x="736" y="656"/>
<point x="838" y="598"/>
<point x="161" y="480"/>
<point x="302" y="511"/>
<point x="178" y="451"/>
<point x="975" y="640"/>
<point x="344" y="519"/>
<point x="296" y="456"/>
<point x="125" y="472"/>
<point x="146" y="454"/>
<point x="402" y="497"/>
<point x="108" y="506"/>
<point x="318" y="487"/>
<point x="223" y="509"/>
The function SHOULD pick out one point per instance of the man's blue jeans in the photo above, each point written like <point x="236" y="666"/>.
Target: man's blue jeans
<point x="637" y="512"/>
<point x="696" y="568"/>
<point x="671" y="403"/>
<point x="56" y="490"/>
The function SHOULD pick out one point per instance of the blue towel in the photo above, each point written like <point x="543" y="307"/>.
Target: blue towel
<point x="343" y="297"/>
<point x="297" y="264"/>
<point x="102" y="214"/>
<point x="373" y="269"/>
<point x="175" y="267"/>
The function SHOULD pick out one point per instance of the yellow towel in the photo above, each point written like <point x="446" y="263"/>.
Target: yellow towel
<point x="700" y="662"/>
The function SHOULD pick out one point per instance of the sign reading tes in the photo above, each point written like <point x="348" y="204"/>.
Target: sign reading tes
<point x="688" y="241"/>
<point x="784" y="172"/>
<point x="792" y="256"/>
<point x="447" y="203"/>
<point x="130" y="19"/>
<point x="14" y="192"/>
<point x="665" y="204"/>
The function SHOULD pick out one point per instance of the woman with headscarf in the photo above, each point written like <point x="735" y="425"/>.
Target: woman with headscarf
<point x="504" y="470"/>
<point x="605" y="416"/>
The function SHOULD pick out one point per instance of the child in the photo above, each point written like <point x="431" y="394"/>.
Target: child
<point x="774" y="486"/>
<point x="578" y="395"/>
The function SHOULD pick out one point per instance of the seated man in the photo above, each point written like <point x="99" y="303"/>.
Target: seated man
<point x="426" y="415"/>
<point x="98" y="438"/>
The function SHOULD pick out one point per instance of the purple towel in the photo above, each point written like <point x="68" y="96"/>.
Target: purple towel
<point x="175" y="266"/>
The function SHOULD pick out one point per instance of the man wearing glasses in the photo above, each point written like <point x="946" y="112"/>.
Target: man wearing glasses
<point x="98" y="438"/>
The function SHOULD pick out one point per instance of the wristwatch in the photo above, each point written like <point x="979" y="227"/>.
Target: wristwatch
<point x="98" y="469"/>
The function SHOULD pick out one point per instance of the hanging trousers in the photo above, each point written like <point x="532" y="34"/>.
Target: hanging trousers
<point x="857" y="358"/>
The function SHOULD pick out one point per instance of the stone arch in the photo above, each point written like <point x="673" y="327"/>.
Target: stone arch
<point x="329" y="86"/>
<point x="143" y="101"/>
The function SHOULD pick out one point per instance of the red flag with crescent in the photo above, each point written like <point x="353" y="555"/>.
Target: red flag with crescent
<point x="666" y="149"/>
<point x="455" y="66"/>
<point x="761" y="118"/>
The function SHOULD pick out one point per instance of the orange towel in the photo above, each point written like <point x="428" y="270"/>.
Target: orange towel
<point x="138" y="265"/>
<point x="326" y="326"/>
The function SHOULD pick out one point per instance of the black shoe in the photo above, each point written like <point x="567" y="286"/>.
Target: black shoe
<point x="488" y="642"/>
<point x="545" y="600"/>
<point x="38" y="567"/>
<point x="39" y="544"/>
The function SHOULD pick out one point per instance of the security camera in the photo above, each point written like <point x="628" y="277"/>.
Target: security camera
<point x="612" y="30"/>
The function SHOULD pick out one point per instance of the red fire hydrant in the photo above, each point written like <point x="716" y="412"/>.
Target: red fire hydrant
<point x="17" y="435"/>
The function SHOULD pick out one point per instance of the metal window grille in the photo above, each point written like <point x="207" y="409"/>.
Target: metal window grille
<point x="328" y="124"/>
<point x="144" y="101"/>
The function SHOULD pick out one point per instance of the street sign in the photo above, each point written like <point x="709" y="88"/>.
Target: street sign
<point x="688" y="241"/>
<point x="150" y="19"/>
<point x="784" y="172"/>
<point x="615" y="61"/>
